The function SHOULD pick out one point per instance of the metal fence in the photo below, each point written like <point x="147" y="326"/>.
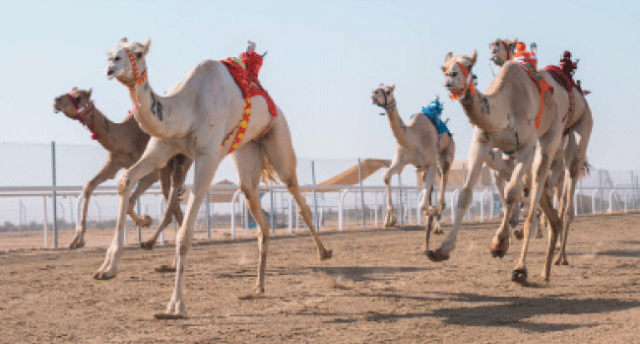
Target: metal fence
<point x="40" y="196"/>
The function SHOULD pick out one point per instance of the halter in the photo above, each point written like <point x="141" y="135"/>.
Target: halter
<point x="386" y="106"/>
<point x="82" y="112"/>
<point x="506" y="48"/>
<point x="469" y="85"/>
<point x="139" y="78"/>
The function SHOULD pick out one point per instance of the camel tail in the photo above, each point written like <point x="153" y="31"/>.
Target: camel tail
<point x="268" y="174"/>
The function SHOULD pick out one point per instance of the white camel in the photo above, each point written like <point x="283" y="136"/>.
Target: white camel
<point x="577" y="122"/>
<point x="418" y="144"/>
<point x="194" y="118"/>
<point x="506" y="117"/>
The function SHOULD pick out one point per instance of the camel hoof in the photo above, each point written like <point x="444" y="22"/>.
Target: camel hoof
<point x="325" y="254"/>
<point x="168" y="316"/>
<point x="257" y="291"/>
<point x="437" y="230"/>
<point x="76" y="245"/>
<point x="103" y="276"/>
<point x="518" y="234"/>
<point x="145" y="221"/>
<point x="166" y="268"/>
<point x="561" y="262"/>
<point x="519" y="276"/>
<point x="498" y="254"/>
<point x="499" y="247"/>
<point x="147" y="245"/>
<point x="437" y="255"/>
<point x="544" y="279"/>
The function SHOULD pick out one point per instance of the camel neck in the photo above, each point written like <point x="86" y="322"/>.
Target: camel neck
<point x="149" y="110"/>
<point x="100" y="126"/>
<point x="481" y="111"/>
<point x="398" y="128"/>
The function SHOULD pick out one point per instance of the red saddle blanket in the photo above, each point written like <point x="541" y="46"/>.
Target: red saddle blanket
<point x="245" y="73"/>
<point x="560" y="77"/>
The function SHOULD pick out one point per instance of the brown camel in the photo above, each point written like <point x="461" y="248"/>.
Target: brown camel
<point x="125" y="143"/>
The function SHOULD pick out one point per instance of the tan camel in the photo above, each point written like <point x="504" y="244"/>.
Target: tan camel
<point x="125" y="143"/>
<point x="577" y="122"/>
<point x="507" y="117"/>
<point x="193" y="119"/>
<point x="418" y="144"/>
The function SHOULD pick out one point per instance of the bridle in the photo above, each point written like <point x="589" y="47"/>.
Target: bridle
<point x="138" y="78"/>
<point x="82" y="112"/>
<point x="386" y="105"/>
<point x="506" y="48"/>
<point x="469" y="87"/>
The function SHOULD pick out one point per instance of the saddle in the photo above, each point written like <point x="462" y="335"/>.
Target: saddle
<point x="541" y="83"/>
<point x="244" y="71"/>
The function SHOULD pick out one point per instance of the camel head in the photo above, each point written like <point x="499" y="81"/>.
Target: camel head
<point x="72" y="103"/>
<point x="383" y="96"/>
<point x="502" y="50"/>
<point x="127" y="61"/>
<point x="458" y="74"/>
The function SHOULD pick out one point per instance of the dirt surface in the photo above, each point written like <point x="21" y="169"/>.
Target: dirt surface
<point x="377" y="288"/>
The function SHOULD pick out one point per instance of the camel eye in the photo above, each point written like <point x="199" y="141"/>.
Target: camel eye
<point x="78" y="99"/>
<point x="454" y="74"/>
<point x="116" y="58"/>
<point x="138" y="56"/>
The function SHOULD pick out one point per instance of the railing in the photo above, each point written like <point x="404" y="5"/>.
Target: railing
<point x="368" y="201"/>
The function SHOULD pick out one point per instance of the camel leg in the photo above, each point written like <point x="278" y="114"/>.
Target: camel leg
<point x="154" y="157"/>
<point x="279" y="152"/>
<point x="175" y="175"/>
<point x="390" y="216"/>
<point x="108" y="171"/>
<point x="500" y="241"/>
<point x="429" y="211"/>
<point x="141" y="187"/>
<point x="544" y="153"/>
<point x="445" y="161"/>
<point x="575" y="159"/>
<point x="204" y="170"/>
<point x="478" y="152"/>
<point x="248" y="162"/>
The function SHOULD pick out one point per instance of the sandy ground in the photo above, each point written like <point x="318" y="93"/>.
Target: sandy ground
<point x="378" y="288"/>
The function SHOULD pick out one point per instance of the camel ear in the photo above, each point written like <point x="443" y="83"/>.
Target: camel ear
<point x="473" y="57"/>
<point x="146" y="45"/>
<point x="444" y="69"/>
<point x="392" y="87"/>
<point x="89" y="93"/>
<point x="513" y="44"/>
<point x="448" y="57"/>
<point x="123" y="40"/>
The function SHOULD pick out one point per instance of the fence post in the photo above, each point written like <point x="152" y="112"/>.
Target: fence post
<point x="54" y="195"/>
<point x="315" y="197"/>
<point x="593" y="201"/>
<point x="401" y="203"/>
<point x="139" y="210"/>
<point x="364" y="217"/>
<point x="207" y="213"/>
<point x="46" y="225"/>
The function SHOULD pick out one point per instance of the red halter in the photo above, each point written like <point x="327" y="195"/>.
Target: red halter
<point x="82" y="112"/>
<point x="469" y="86"/>
<point x="139" y="78"/>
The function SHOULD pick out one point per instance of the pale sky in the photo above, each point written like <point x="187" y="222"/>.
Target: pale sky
<point x="325" y="58"/>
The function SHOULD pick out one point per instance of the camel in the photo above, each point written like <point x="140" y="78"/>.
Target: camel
<point x="509" y="117"/>
<point x="577" y="122"/>
<point x="195" y="118"/>
<point x="419" y="144"/>
<point x="125" y="143"/>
